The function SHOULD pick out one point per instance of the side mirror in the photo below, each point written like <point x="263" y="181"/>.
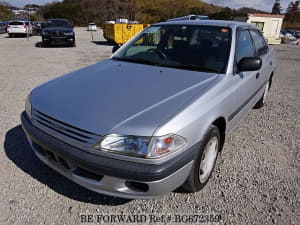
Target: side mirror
<point x="249" y="64"/>
<point x="114" y="49"/>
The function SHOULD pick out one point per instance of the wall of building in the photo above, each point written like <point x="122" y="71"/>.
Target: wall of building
<point x="271" y="27"/>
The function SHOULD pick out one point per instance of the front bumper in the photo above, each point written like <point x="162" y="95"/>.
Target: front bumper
<point x="106" y="175"/>
<point x="60" y="39"/>
<point x="17" y="32"/>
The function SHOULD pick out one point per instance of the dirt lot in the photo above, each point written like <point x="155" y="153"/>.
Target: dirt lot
<point x="257" y="179"/>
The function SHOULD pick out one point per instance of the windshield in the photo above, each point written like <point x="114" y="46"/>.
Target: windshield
<point x="58" y="23"/>
<point x="200" y="48"/>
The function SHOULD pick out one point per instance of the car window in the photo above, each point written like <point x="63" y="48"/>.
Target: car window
<point x="16" y="23"/>
<point x="200" y="48"/>
<point x="259" y="25"/>
<point x="259" y="42"/>
<point x="244" y="45"/>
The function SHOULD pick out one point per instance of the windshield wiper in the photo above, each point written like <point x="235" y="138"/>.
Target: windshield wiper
<point x="141" y="61"/>
<point x="193" y="67"/>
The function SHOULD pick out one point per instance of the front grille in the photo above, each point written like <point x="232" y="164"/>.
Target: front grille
<point x="57" y="34"/>
<point x="64" y="131"/>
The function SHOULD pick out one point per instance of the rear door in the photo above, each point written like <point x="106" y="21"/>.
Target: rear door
<point x="245" y="83"/>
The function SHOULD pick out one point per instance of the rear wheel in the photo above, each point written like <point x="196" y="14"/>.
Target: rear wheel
<point x="205" y="161"/>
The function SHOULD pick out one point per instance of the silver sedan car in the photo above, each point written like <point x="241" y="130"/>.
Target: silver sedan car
<point x="155" y="115"/>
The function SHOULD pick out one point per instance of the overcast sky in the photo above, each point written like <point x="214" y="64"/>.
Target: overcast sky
<point x="265" y="5"/>
<point x="21" y="3"/>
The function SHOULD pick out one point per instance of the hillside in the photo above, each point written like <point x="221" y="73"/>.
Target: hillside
<point x="145" y="11"/>
<point x="159" y="10"/>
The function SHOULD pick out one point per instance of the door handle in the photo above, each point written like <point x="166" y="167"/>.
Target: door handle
<point x="257" y="75"/>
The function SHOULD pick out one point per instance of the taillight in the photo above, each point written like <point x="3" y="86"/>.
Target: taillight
<point x="25" y="26"/>
<point x="7" y="26"/>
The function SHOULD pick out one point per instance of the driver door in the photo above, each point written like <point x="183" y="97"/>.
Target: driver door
<point x="245" y="83"/>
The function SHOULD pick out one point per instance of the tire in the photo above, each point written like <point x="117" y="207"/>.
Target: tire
<point x="262" y="101"/>
<point x="73" y="44"/>
<point x="10" y="35"/>
<point x="45" y="44"/>
<point x="199" y="174"/>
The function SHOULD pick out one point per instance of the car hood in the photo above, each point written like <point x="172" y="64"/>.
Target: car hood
<point x="55" y="29"/>
<point x="119" y="97"/>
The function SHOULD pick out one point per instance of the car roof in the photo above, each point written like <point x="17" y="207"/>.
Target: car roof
<point x="219" y="23"/>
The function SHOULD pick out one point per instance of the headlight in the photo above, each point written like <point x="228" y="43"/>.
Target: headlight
<point x="28" y="106"/>
<point x="145" y="147"/>
<point x="69" y="33"/>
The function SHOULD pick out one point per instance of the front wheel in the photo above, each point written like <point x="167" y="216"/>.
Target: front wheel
<point x="205" y="161"/>
<point x="262" y="101"/>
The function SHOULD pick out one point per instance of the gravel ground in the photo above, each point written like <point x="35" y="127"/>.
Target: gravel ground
<point x="256" y="181"/>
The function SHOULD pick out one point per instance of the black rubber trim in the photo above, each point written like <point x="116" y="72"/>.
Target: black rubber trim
<point x="104" y="165"/>
<point x="246" y="102"/>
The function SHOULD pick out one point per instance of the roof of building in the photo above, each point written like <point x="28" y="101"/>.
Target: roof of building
<point x="266" y="15"/>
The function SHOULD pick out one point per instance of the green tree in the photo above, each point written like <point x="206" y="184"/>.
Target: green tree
<point x="224" y="14"/>
<point x="5" y="14"/>
<point x="293" y="12"/>
<point x="276" y="8"/>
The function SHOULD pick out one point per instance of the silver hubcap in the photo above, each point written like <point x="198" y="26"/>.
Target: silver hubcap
<point x="266" y="92"/>
<point x="208" y="159"/>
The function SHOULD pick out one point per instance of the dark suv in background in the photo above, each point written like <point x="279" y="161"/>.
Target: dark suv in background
<point x="58" y="31"/>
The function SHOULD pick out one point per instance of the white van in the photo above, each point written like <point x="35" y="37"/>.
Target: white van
<point x="92" y="27"/>
<point x="190" y="17"/>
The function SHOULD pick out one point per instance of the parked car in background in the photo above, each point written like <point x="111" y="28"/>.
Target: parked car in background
<point x="5" y="24"/>
<point x="40" y="25"/>
<point x="155" y="115"/>
<point x="190" y="17"/>
<point x="287" y="37"/>
<point x="58" y="31"/>
<point x="296" y="34"/>
<point x="37" y="27"/>
<point x="2" y="28"/>
<point x="34" y="28"/>
<point x="92" y="27"/>
<point x="18" y="27"/>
